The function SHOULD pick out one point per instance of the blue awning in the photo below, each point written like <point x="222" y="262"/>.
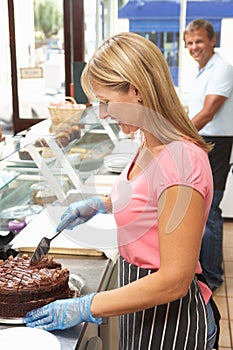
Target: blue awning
<point x="209" y="9"/>
<point x="157" y="15"/>
<point x="150" y="9"/>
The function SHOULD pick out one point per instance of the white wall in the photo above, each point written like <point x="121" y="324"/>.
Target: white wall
<point x="226" y="46"/>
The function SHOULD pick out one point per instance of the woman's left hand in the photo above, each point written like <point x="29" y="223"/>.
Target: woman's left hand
<point x="62" y="314"/>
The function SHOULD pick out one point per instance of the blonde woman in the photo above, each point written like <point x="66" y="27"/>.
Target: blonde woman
<point x="160" y="203"/>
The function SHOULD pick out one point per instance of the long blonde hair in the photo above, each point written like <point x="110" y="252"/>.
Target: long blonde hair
<point x="128" y="58"/>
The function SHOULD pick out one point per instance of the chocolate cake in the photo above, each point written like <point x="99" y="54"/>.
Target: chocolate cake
<point x="24" y="287"/>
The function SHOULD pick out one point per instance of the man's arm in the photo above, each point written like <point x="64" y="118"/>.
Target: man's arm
<point x="211" y="105"/>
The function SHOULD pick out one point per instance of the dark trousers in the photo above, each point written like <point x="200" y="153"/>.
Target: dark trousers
<point x="211" y="256"/>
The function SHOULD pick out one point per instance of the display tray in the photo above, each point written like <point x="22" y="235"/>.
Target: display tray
<point x="115" y="169"/>
<point x="22" y="163"/>
<point x="65" y="251"/>
<point x="116" y="163"/>
<point x="15" y="161"/>
<point x="20" y="211"/>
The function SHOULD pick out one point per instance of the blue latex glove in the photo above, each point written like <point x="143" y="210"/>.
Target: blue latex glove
<point x="80" y="212"/>
<point x="62" y="314"/>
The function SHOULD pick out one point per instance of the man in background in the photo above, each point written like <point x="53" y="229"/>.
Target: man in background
<point x="211" y="111"/>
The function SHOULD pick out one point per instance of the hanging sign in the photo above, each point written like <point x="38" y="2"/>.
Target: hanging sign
<point x="31" y="72"/>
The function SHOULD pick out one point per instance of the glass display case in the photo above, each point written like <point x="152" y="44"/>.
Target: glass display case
<point x="40" y="167"/>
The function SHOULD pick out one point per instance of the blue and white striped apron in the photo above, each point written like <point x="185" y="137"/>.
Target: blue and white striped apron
<point x="179" y="325"/>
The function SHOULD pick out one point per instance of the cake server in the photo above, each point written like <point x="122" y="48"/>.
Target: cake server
<point x="44" y="245"/>
<point x="43" y="248"/>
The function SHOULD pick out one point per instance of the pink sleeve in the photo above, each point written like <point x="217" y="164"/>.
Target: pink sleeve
<point x="184" y="165"/>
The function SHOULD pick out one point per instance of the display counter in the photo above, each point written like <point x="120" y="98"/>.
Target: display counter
<point x="37" y="172"/>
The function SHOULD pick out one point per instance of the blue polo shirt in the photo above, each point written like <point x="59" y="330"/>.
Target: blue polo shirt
<point x="216" y="78"/>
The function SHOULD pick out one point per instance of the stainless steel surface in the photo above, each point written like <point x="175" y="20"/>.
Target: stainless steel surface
<point x="95" y="343"/>
<point x="97" y="272"/>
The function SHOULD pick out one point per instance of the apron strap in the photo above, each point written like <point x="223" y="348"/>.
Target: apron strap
<point x="217" y="315"/>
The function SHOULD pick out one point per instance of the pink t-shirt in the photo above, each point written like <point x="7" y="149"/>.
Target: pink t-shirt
<point x="135" y="202"/>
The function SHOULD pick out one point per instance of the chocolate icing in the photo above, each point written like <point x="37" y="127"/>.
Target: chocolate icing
<point x="24" y="287"/>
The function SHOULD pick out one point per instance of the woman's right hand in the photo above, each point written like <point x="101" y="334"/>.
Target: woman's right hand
<point x="79" y="212"/>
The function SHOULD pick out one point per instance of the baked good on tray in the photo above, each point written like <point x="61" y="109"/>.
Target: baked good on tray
<point x="24" y="287"/>
<point x="25" y="155"/>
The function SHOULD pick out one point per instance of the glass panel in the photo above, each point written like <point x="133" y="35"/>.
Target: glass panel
<point x="5" y="71"/>
<point x="40" y="55"/>
<point x="94" y="31"/>
<point x="171" y="40"/>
